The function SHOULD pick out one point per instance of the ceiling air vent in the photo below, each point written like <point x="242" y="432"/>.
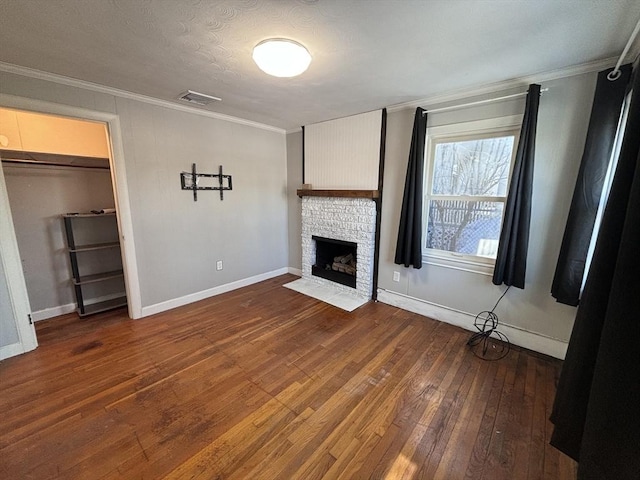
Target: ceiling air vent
<point x="198" y="98"/>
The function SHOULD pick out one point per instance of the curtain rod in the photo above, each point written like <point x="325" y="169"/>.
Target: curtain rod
<point x="480" y="102"/>
<point x="615" y="73"/>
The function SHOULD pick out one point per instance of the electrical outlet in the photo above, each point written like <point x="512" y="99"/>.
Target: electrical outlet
<point x="219" y="265"/>
<point x="396" y="276"/>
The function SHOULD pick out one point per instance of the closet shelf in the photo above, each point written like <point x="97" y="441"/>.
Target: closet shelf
<point x="97" y="233"/>
<point x="81" y="215"/>
<point x="98" y="277"/>
<point x="95" y="246"/>
<point x="104" y="306"/>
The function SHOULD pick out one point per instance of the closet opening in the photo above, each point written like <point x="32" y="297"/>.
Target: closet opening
<point x="58" y="175"/>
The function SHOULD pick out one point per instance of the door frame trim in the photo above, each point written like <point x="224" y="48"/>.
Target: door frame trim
<point x="119" y="181"/>
<point x="12" y="267"/>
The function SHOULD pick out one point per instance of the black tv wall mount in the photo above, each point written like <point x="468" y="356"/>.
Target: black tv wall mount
<point x="191" y="180"/>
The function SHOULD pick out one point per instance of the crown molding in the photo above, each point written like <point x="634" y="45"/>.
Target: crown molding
<point x="95" y="87"/>
<point x="507" y="84"/>
<point x="422" y="102"/>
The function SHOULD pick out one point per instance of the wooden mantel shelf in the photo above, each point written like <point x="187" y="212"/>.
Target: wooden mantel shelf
<point x="339" y="193"/>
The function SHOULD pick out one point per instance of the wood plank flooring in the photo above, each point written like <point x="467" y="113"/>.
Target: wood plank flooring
<point x="265" y="383"/>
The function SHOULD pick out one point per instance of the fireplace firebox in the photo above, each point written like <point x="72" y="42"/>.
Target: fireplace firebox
<point x="336" y="260"/>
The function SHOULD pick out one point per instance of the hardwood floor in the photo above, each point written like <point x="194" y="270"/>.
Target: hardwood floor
<point x="265" y="383"/>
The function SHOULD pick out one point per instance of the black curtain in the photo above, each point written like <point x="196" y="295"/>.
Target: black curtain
<point x="409" y="246"/>
<point x="605" y="115"/>
<point x="511" y="260"/>
<point x="597" y="406"/>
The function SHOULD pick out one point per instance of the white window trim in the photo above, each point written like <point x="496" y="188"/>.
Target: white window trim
<point x="442" y="258"/>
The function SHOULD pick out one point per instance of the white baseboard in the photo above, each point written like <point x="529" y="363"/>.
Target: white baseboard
<point x="69" y="307"/>
<point x="11" y="350"/>
<point x="295" y="271"/>
<point x="53" y="312"/>
<point x="211" y="292"/>
<point x="524" y="338"/>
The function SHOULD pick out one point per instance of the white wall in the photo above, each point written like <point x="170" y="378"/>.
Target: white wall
<point x="178" y="241"/>
<point x="343" y="153"/>
<point x="294" y="181"/>
<point x="38" y="196"/>
<point x="562" y="124"/>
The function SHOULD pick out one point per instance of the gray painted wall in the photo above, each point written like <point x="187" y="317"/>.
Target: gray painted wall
<point x="294" y="181"/>
<point x="38" y="195"/>
<point x="562" y="124"/>
<point x="178" y="240"/>
<point x="8" y="329"/>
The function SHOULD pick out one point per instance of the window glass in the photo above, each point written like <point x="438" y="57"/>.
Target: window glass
<point x="463" y="226"/>
<point x="466" y="192"/>
<point x="473" y="167"/>
<point x="606" y="188"/>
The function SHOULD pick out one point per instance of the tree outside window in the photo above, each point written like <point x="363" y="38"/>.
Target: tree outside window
<point x="466" y="192"/>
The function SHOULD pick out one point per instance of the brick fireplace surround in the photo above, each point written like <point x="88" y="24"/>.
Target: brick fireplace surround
<point x="340" y="218"/>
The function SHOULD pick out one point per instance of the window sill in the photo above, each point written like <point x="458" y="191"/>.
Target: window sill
<point x="463" y="263"/>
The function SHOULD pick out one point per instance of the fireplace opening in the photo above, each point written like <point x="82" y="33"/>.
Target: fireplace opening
<point x="335" y="261"/>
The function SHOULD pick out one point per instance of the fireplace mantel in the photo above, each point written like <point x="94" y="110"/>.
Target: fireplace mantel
<point x="338" y="193"/>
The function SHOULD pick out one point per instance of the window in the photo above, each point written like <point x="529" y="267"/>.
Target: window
<point x="467" y="178"/>
<point x="606" y="187"/>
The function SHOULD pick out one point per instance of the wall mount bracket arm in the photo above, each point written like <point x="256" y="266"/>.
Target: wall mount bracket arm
<point x="190" y="181"/>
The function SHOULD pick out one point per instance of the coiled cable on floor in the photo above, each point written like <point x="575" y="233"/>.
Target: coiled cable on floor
<point x="483" y="343"/>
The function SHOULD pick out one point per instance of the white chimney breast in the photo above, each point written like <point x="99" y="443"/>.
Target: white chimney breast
<point x="344" y="154"/>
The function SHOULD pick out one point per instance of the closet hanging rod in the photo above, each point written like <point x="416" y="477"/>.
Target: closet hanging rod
<point x="51" y="164"/>
<point x="615" y="73"/>
<point x="480" y="102"/>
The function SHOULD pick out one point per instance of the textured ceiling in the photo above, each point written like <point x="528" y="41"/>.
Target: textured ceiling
<point x="367" y="54"/>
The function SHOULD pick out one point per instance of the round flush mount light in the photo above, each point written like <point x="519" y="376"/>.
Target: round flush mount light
<point x="281" y="57"/>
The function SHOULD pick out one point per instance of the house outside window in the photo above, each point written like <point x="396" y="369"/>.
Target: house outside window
<point x="467" y="174"/>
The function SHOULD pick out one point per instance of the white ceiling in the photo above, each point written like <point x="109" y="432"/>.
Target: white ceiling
<point x="367" y="54"/>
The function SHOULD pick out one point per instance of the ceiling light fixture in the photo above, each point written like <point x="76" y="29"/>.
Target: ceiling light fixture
<point x="281" y="57"/>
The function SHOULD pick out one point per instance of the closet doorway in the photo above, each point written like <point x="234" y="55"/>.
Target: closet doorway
<point x="54" y="165"/>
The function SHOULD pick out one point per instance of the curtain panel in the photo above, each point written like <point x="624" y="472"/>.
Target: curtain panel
<point x="409" y="244"/>
<point x="601" y="135"/>
<point x="511" y="259"/>
<point x="596" y="410"/>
